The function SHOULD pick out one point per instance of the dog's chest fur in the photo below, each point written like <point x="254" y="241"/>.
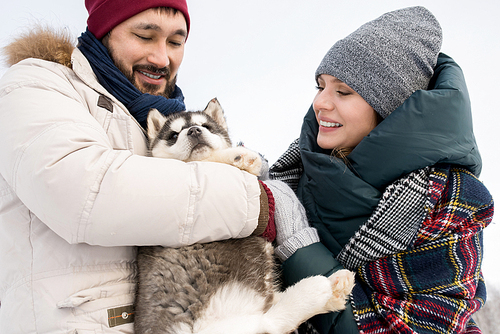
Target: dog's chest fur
<point x="180" y="286"/>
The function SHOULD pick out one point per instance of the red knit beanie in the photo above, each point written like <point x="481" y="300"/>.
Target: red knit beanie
<point x="104" y="15"/>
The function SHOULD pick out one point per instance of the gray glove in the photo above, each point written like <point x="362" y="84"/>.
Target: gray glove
<point x="292" y="229"/>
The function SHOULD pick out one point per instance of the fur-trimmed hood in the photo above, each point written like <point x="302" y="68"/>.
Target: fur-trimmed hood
<point x="42" y="43"/>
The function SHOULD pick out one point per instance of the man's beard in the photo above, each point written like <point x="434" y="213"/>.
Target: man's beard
<point x="145" y="87"/>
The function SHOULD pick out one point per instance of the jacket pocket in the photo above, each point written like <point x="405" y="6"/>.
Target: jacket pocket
<point x="115" y="122"/>
<point x="104" y="309"/>
<point x="119" y="131"/>
<point x="98" y="329"/>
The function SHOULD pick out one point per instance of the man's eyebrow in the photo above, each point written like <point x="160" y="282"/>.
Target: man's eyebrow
<point x="180" y="32"/>
<point x="155" y="27"/>
<point x="147" y="26"/>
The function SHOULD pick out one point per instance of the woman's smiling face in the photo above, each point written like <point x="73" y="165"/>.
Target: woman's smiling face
<point x="344" y="117"/>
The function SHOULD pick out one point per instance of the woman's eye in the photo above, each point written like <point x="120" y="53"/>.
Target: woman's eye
<point x="319" y="88"/>
<point x="343" y="93"/>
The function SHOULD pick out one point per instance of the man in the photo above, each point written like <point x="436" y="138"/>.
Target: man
<point x="76" y="191"/>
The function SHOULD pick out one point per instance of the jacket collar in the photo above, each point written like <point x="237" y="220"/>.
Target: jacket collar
<point x="83" y="70"/>
<point x="81" y="67"/>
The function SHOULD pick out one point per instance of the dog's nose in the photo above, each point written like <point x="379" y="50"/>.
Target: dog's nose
<point x="194" y="131"/>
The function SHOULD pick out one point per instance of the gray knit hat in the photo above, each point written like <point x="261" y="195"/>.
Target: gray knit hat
<point x="387" y="59"/>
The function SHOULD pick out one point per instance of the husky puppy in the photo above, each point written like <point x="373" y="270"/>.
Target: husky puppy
<point x="198" y="136"/>
<point x="225" y="287"/>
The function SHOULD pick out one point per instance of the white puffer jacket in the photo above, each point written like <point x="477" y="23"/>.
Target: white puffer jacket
<point x="77" y="192"/>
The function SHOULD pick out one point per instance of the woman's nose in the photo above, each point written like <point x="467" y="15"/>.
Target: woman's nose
<point x="323" y="101"/>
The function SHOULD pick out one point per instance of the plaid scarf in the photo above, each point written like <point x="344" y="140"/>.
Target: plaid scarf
<point x="436" y="285"/>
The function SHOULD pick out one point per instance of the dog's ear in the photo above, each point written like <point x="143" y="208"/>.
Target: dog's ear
<point x="214" y="110"/>
<point x="156" y="120"/>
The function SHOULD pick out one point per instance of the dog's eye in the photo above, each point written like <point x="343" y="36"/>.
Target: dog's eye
<point x="208" y="126"/>
<point x="173" y="136"/>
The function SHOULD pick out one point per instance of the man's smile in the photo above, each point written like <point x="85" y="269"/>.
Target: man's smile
<point x="152" y="75"/>
<point x="149" y="75"/>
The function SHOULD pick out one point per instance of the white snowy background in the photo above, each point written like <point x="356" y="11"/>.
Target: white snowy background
<point x="258" y="58"/>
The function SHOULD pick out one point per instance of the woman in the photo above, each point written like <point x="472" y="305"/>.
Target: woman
<point x="386" y="168"/>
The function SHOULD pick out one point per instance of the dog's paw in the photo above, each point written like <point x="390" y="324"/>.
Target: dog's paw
<point x="247" y="160"/>
<point x="342" y="283"/>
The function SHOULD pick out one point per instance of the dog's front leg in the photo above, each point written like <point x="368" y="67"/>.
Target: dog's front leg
<point x="307" y="298"/>
<point x="240" y="157"/>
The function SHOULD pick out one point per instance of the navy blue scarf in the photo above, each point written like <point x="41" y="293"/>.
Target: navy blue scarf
<point x="115" y="82"/>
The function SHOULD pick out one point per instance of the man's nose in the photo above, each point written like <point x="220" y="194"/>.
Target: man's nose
<point x="158" y="56"/>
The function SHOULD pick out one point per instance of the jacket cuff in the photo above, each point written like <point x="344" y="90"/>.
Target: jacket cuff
<point x="265" y="227"/>
<point x="303" y="238"/>
<point x="311" y="260"/>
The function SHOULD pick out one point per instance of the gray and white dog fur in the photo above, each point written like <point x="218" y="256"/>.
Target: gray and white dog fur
<point x="225" y="287"/>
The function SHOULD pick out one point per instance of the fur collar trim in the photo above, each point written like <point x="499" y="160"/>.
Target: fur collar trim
<point x="41" y="43"/>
